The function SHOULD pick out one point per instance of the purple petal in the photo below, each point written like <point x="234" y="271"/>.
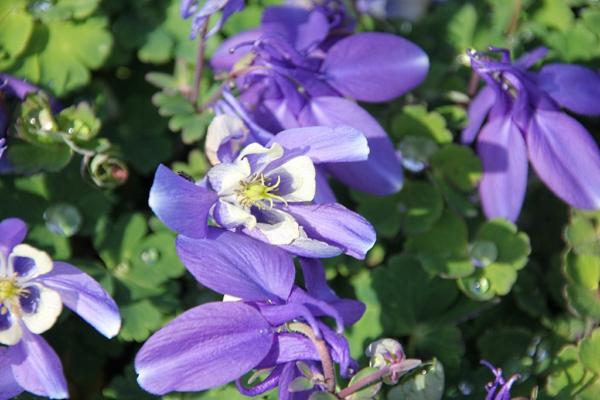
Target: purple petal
<point x="381" y="174"/>
<point x="565" y="157"/>
<point x="375" y="66"/>
<point x="289" y="347"/>
<point x="504" y="156"/>
<point x="323" y="144"/>
<point x="16" y="87"/>
<point x="336" y="225"/>
<point x="527" y="60"/>
<point x="572" y="86"/>
<point x="316" y="285"/>
<point x="37" y="368"/>
<point x="180" y="204"/>
<point x="302" y="28"/>
<point x="237" y="265"/>
<point x="12" y="232"/>
<point x="82" y="294"/>
<point x="478" y="110"/>
<point x="9" y="388"/>
<point x="224" y="59"/>
<point x="205" y="347"/>
<point x="323" y="193"/>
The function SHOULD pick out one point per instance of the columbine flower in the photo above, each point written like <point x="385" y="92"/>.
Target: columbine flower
<point x="220" y="342"/>
<point x="294" y="71"/>
<point x="268" y="192"/>
<point x="33" y="289"/>
<point x="499" y="389"/>
<point x="201" y="15"/>
<point x="525" y="122"/>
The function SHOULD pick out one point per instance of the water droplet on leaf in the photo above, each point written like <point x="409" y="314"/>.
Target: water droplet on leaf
<point x="416" y="152"/>
<point x="466" y="388"/>
<point x="483" y="253"/>
<point x="150" y="256"/>
<point x="63" y="219"/>
<point x="479" y="286"/>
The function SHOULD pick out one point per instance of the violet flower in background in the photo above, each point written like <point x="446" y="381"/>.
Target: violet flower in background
<point x="217" y="343"/>
<point x="268" y="192"/>
<point x="294" y="71"/>
<point x="33" y="289"/>
<point x="201" y="14"/>
<point x="517" y="117"/>
<point x="499" y="388"/>
<point x="411" y="10"/>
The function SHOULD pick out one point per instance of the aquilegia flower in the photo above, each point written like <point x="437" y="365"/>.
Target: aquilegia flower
<point x="525" y="122"/>
<point x="267" y="192"/>
<point x="295" y="70"/>
<point x="220" y="342"/>
<point x="33" y="289"/>
<point x="499" y="389"/>
<point x="201" y="15"/>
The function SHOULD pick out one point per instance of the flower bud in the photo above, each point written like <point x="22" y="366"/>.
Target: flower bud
<point x="107" y="171"/>
<point x="389" y="353"/>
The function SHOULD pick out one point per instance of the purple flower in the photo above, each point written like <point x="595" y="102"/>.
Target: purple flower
<point x="201" y="15"/>
<point x="33" y="289"/>
<point x="220" y="342"/>
<point x="499" y="389"/>
<point x="409" y="9"/>
<point x="268" y="192"/>
<point x="525" y="122"/>
<point x="293" y="71"/>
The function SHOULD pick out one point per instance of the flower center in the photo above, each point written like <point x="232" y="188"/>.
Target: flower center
<point x="256" y="191"/>
<point x="10" y="289"/>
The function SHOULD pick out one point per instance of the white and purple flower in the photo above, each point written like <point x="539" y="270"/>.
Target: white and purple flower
<point x="270" y="192"/>
<point x="525" y="123"/>
<point x="33" y="289"/>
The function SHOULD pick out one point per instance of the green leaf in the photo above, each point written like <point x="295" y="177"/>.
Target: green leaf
<point x="422" y="206"/>
<point x="369" y="327"/>
<point x="569" y="376"/>
<point x="461" y="29"/>
<point x="61" y="53"/>
<point x="301" y="384"/>
<point x="425" y="385"/>
<point x="583" y="233"/>
<point x="583" y="270"/>
<point x="322" y="396"/>
<point x="513" y="246"/>
<point x="415" y="120"/>
<point x="140" y="319"/>
<point x="29" y="158"/>
<point x="555" y="14"/>
<point x="16" y="27"/>
<point x="589" y="352"/>
<point x="459" y="165"/>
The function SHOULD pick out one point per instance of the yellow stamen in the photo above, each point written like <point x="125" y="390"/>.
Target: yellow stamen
<point x="256" y="192"/>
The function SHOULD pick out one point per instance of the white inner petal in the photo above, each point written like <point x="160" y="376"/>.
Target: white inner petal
<point x="47" y="312"/>
<point x="12" y="335"/>
<point x="222" y="127"/>
<point x="282" y="230"/>
<point x="225" y="178"/>
<point x="271" y="154"/>
<point x="43" y="262"/>
<point x="300" y="175"/>
<point x="231" y="215"/>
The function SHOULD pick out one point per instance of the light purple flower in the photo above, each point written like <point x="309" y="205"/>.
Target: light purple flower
<point x="268" y="192"/>
<point x="220" y="342"/>
<point x="33" y="290"/>
<point x="201" y="15"/>
<point x="517" y="117"/>
<point x="499" y="389"/>
<point x="295" y="71"/>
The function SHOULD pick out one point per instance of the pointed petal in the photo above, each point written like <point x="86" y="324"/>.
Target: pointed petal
<point x="180" y="204"/>
<point x="237" y="265"/>
<point x="323" y="192"/>
<point x="307" y="247"/>
<point x="565" y="157"/>
<point x="82" y="294"/>
<point x="9" y="388"/>
<point x="12" y="232"/>
<point x="205" y="347"/>
<point x="336" y="225"/>
<point x="37" y="368"/>
<point x="478" y="110"/>
<point x="375" y="66"/>
<point x="504" y="156"/>
<point x="381" y="174"/>
<point x="323" y="144"/>
<point x="572" y="86"/>
<point x="528" y="59"/>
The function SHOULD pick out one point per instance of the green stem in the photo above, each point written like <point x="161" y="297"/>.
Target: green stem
<point x="322" y="350"/>
<point x="364" y="382"/>
<point x="199" y="65"/>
